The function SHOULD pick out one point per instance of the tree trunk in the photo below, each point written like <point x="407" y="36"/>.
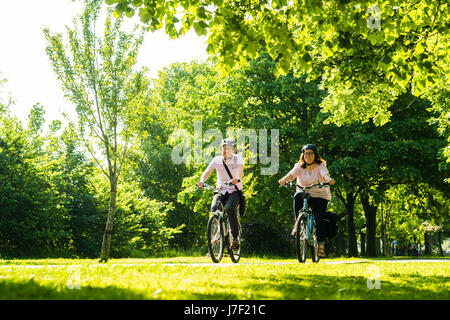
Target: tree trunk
<point x="106" y="245"/>
<point x="387" y="251"/>
<point x="441" y="252"/>
<point x="383" y="237"/>
<point x="352" y="241"/>
<point x="371" y="217"/>
<point x="377" y="246"/>
<point x="363" y="243"/>
<point x="344" y="246"/>
<point x="338" y="242"/>
<point x="428" y="244"/>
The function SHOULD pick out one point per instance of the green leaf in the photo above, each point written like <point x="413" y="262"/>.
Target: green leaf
<point x="137" y="3"/>
<point x="419" y="48"/>
<point x="200" y="28"/>
<point x="144" y="15"/>
<point x="390" y="39"/>
<point x="116" y="14"/>
<point x="201" y="13"/>
<point x="427" y="65"/>
<point x="155" y="24"/>
<point x="387" y="59"/>
<point x="421" y="86"/>
<point x="431" y="80"/>
<point x="306" y="57"/>
<point x="121" y="8"/>
<point x="129" y="12"/>
<point x="278" y="4"/>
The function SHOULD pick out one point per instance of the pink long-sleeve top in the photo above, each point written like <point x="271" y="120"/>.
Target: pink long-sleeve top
<point x="307" y="177"/>
<point x="235" y="165"/>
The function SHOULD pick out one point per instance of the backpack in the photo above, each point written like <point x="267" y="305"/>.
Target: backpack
<point x="330" y="222"/>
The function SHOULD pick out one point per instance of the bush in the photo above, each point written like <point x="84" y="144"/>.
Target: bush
<point x="263" y="239"/>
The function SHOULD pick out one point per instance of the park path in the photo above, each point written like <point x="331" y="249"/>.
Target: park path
<point x="220" y="265"/>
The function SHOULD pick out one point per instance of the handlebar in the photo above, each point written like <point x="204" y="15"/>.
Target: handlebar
<point x="218" y="189"/>
<point x="319" y="185"/>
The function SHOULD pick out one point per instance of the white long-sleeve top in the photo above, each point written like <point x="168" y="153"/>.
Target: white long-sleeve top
<point x="235" y="164"/>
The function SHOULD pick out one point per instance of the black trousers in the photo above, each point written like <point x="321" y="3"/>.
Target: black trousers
<point x="230" y="202"/>
<point x="319" y="207"/>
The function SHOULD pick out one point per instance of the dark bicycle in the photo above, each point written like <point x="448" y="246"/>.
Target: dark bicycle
<point x="305" y="226"/>
<point x="219" y="230"/>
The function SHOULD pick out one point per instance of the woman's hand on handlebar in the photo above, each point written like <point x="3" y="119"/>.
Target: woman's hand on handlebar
<point x="282" y="182"/>
<point x="234" y="181"/>
<point x="200" y="184"/>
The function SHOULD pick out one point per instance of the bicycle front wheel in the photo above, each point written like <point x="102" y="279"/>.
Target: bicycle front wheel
<point x="301" y="245"/>
<point x="235" y="254"/>
<point x="215" y="239"/>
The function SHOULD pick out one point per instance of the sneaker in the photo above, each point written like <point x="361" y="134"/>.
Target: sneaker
<point x="235" y="244"/>
<point x="321" y="251"/>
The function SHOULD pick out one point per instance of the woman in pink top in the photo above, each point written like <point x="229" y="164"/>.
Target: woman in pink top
<point x="311" y="169"/>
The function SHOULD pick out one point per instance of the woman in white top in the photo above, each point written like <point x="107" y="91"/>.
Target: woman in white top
<point x="311" y="169"/>
<point x="230" y="196"/>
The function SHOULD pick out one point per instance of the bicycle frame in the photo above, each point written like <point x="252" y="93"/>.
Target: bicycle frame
<point x="224" y="223"/>
<point x="220" y="212"/>
<point x="310" y="221"/>
<point x="305" y="227"/>
<point x="223" y="219"/>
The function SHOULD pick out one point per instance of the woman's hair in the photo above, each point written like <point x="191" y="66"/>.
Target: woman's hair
<point x="317" y="158"/>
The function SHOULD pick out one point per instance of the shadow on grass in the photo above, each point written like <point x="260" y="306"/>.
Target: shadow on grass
<point x="31" y="290"/>
<point x="318" y="287"/>
<point x="276" y="287"/>
<point x="411" y="258"/>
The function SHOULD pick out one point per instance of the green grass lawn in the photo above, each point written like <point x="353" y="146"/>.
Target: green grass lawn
<point x="253" y="278"/>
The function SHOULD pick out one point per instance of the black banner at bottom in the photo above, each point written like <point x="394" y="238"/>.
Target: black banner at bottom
<point x="214" y="309"/>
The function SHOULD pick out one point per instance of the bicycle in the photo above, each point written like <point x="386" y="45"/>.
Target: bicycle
<point x="219" y="230"/>
<point x="305" y="226"/>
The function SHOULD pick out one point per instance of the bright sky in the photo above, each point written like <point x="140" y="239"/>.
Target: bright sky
<point x="27" y="69"/>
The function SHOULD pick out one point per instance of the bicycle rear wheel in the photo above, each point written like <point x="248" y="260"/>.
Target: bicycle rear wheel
<point x="314" y="246"/>
<point x="314" y="251"/>
<point x="301" y="245"/>
<point x="215" y="238"/>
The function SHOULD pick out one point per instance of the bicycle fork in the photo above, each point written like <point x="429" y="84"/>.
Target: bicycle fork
<point x="225" y="227"/>
<point x="227" y="232"/>
<point x="310" y="223"/>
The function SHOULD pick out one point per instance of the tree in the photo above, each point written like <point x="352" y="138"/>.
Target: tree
<point x="72" y="176"/>
<point x="31" y="222"/>
<point x="171" y="105"/>
<point x="368" y="159"/>
<point x="251" y="97"/>
<point x="366" y="54"/>
<point x="412" y="213"/>
<point x="97" y="76"/>
<point x="348" y="194"/>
